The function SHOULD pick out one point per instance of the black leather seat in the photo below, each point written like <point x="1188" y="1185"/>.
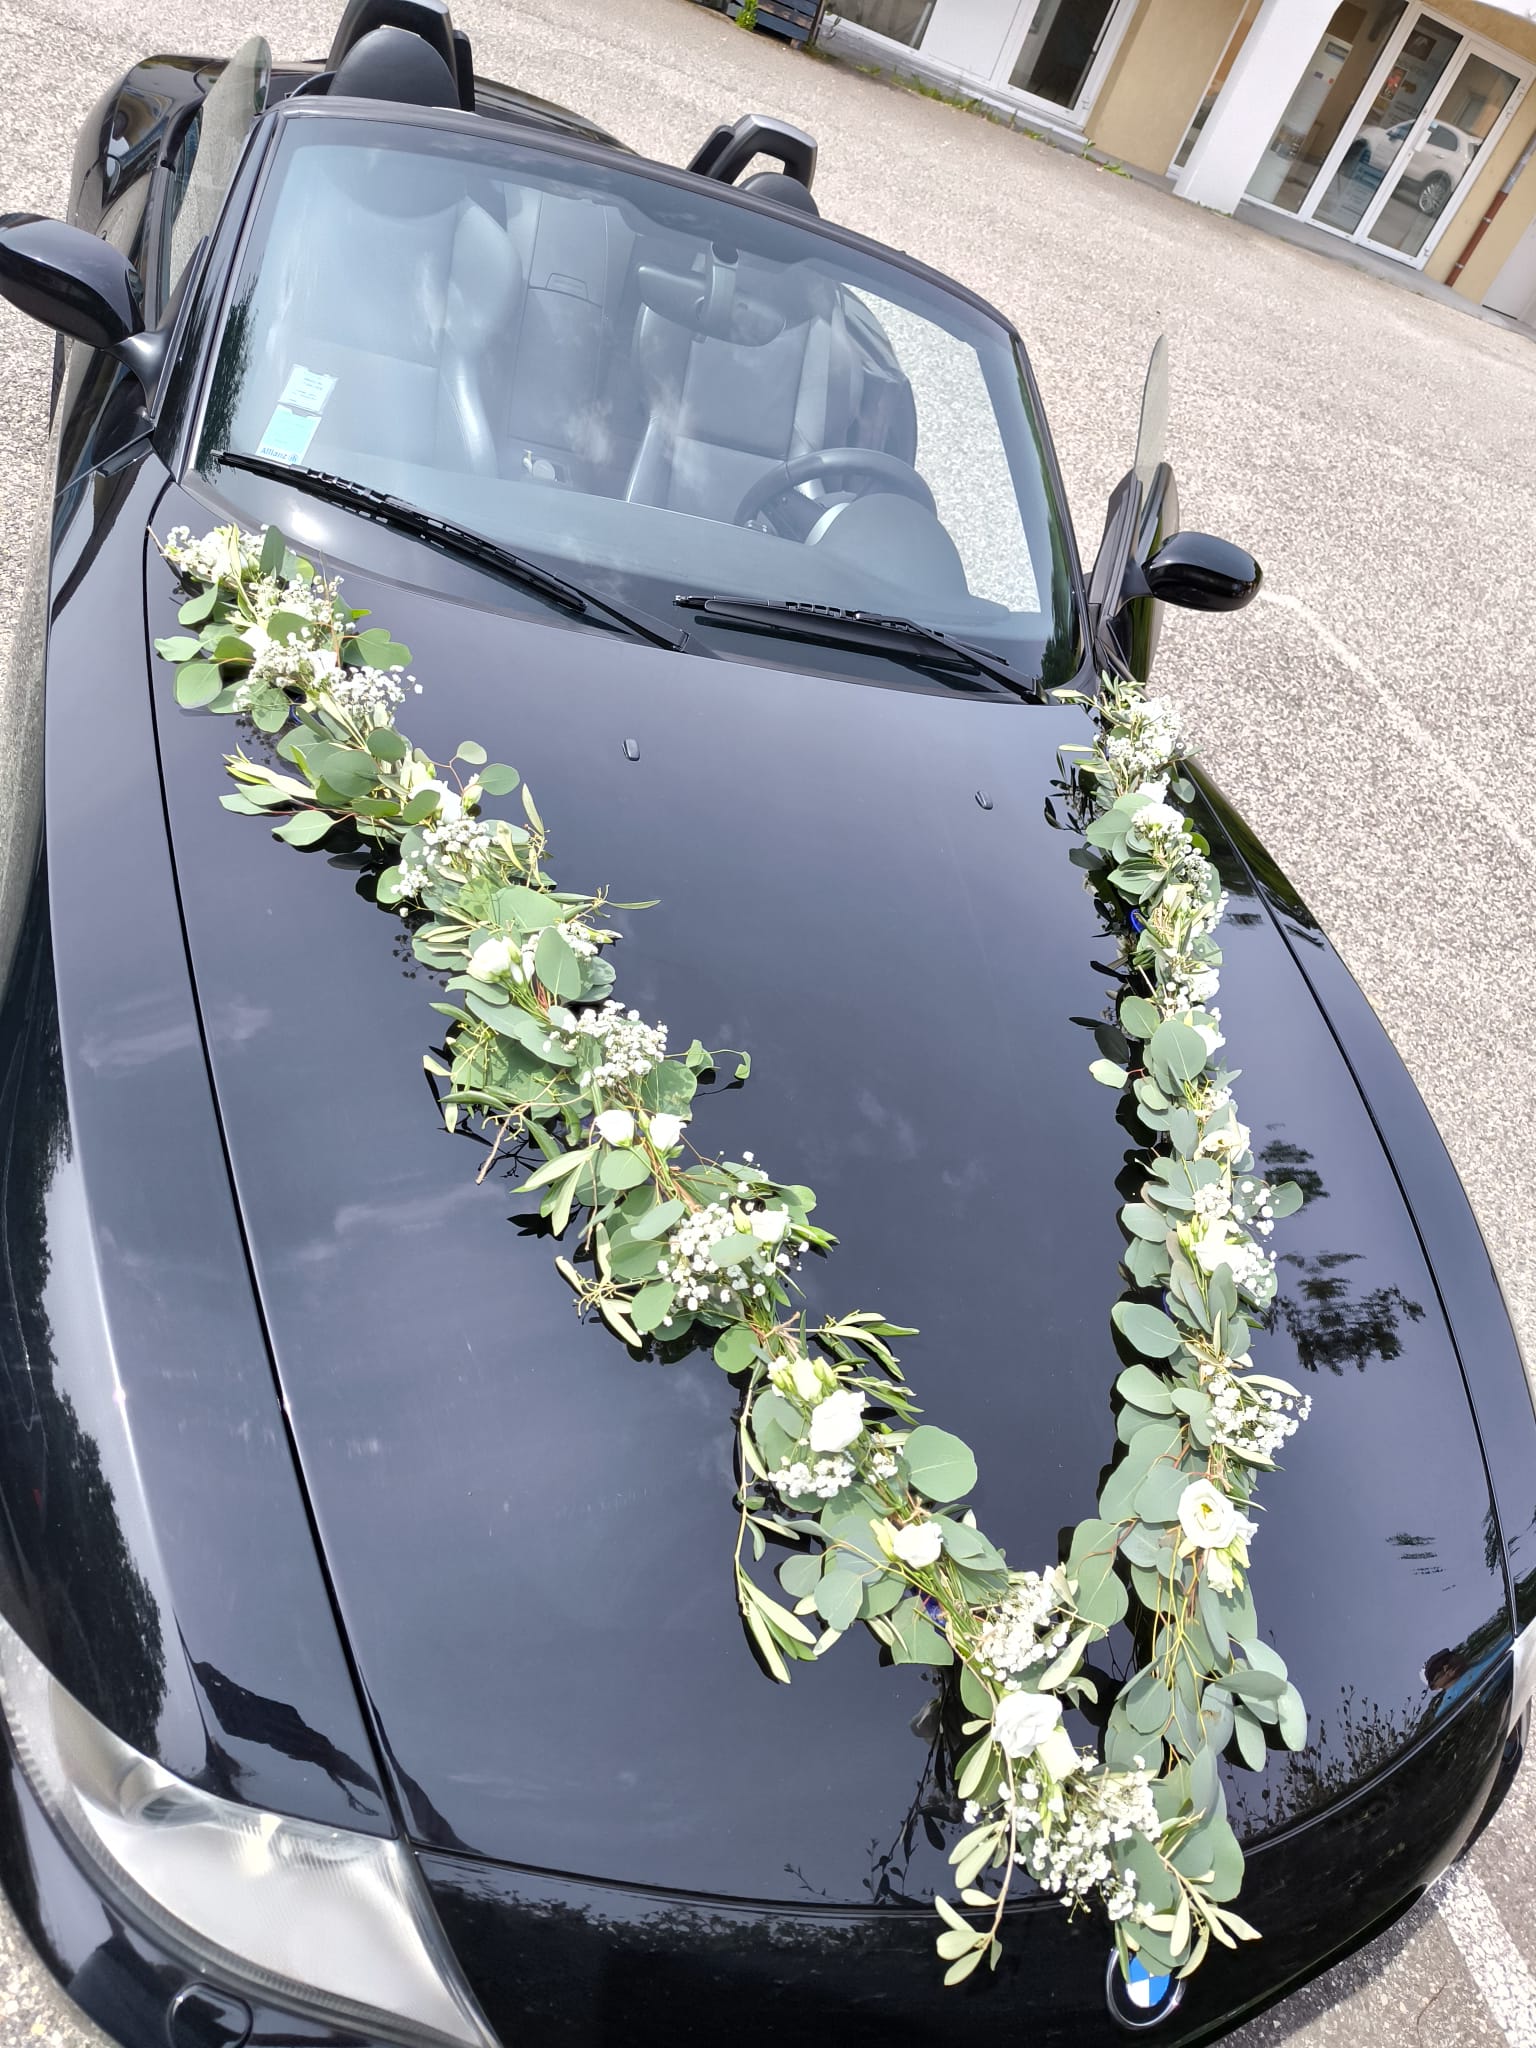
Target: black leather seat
<point x="778" y="377"/>
<point x="401" y="289"/>
<point x="393" y="64"/>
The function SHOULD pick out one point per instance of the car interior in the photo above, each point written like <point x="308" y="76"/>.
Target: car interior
<point x="487" y="336"/>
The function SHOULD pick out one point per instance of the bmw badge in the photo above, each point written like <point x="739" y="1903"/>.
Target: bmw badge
<point x="1144" y="1998"/>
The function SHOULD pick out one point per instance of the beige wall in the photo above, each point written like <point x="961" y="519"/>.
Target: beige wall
<point x="1159" y="74"/>
<point x="1510" y="222"/>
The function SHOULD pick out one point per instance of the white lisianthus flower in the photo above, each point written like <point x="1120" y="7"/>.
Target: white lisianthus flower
<point x="1212" y="1246"/>
<point x="1216" y="1251"/>
<point x="490" y="958"/>
<point x="837" y="1420"/>
<point x="1230" y="1142"/>
<point x="1207" y="1517"/>
<point x="769" y="1225"/>
<point x="664" y="1130"/>
<point x="1021" y="1721"/>
<point x="918" y="1545"/>
<point x="615" y="1127"/>
<point x="1059" y="1754"/>
<point x="1208" y="1032"/>
<point x="799" y="1375"/>
<point x="1219" y="1575"/>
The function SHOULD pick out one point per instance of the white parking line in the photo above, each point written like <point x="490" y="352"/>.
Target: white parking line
<point x="1412" y="728"/>
<point x="1494" y="1963"/>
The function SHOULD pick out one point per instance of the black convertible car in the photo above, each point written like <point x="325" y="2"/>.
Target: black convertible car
<point x="368" y="1668"/>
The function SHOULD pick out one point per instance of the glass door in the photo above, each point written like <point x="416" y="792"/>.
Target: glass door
<point x="1352" y="58"/>
<point x="1376" y="139"/>
<point x="1061" y="42"/>
<point x="1437" y="157"/>
<point x="1383" y="133"/>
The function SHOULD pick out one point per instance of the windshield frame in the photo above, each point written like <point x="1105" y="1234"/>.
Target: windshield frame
<point x="232" y="245"/>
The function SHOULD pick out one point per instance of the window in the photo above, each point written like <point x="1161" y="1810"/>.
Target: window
<point x="607" y="372"/>
<point x="210" y="149"/>
<point x="903" y="21"/>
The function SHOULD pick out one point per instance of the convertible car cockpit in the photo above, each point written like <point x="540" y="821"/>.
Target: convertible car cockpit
<point x="627" y="371"/>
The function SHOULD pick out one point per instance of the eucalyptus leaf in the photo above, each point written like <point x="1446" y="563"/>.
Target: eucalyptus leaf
<point x="622" y="1168"/>
<point x="307" y="829"/>
<point x="1179" y="1050"/>
<point x="1146" y="1388"/>
<point x="914" y="1640"/>
<point x="1153" y="1334"/>
<point x="838" y="1598"/>
<point x="1142" y="1221"/>
<point x="1293" y="1719"/>
<point x="652" y="1305"/>
<point x="1251" y="1745"/>
<point x="657" y="1221"/>
<point x="736" y="1347"/>
<point x="938" y="1464"/>
<point x="197" y="684"/>
<point x="800" y="1575"/>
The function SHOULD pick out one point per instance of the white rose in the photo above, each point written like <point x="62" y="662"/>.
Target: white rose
<point x="1021" y="1721"/>
<point x="615" y="1127"/>
<point x="919" y="1544"/>
<point x="490" y="958"/>
<point x="1207" y="1517"/>
<point x="664" y="1130"/>
<point x="769" y="1225"/>
<point x="1209" y="1034"/>
<point x="837" y="1420"/>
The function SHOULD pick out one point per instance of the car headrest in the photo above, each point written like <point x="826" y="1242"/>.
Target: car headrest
<point x="781" y="189"/>
<point x="393" y="64"/>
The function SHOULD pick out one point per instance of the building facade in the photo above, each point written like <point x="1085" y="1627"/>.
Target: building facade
<point x="1409" y="130"/>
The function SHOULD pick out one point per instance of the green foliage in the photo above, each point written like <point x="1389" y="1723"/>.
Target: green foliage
<point x="585" y="1104"/>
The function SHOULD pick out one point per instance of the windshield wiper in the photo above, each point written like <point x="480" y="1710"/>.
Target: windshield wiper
<point x="461" y="541"/>
<point x="880" y="632"/>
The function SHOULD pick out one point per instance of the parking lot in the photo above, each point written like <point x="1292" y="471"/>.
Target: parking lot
<point x="1374" y="713"/>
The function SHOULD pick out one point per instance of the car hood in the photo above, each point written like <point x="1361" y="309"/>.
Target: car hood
<point x="528" y="1530"/>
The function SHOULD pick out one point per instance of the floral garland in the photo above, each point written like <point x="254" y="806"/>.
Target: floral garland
<point x="832" y="1465"/>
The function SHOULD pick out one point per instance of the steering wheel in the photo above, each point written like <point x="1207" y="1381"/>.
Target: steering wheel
<point x="821" y="465"/>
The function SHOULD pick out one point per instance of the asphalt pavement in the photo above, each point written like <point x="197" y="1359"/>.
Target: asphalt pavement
<point x="1372" y="712"/>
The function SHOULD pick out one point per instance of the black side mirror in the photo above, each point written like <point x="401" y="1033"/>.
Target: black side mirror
<point x="1203" y="574"/>
<point x="78" y="284"/>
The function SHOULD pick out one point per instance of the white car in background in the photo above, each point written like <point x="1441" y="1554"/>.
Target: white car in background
<point x="1435" y="169"/>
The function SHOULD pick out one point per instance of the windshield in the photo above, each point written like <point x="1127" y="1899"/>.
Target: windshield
<point x="642" y="385"/>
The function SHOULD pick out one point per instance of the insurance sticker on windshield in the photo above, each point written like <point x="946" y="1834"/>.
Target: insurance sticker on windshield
<point x="307" y="389"/>
<point x="288" y="435"/>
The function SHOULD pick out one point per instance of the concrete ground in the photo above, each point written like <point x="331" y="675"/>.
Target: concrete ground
<point x="1372" y="713"/>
